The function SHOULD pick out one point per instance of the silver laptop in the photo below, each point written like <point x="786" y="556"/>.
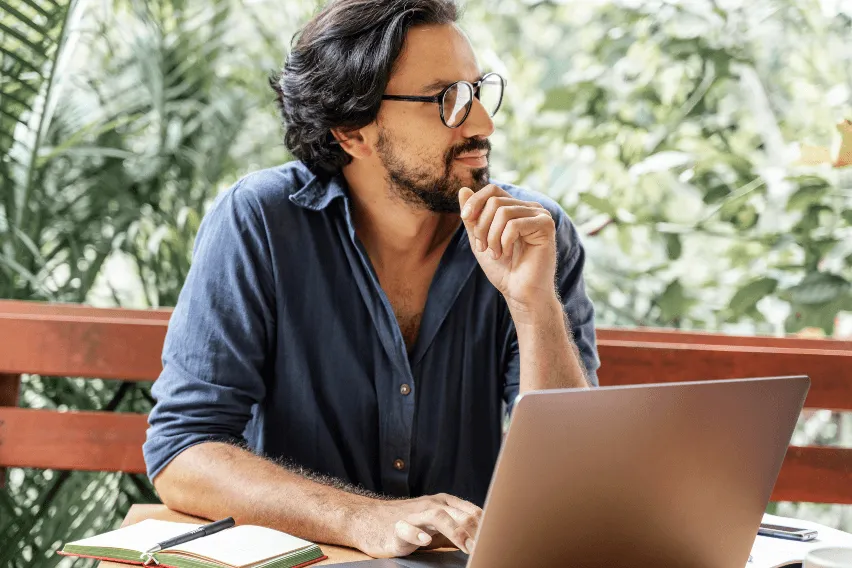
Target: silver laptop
<point x="673" y="475"/>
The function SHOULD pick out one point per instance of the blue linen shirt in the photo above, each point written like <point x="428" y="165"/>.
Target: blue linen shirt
<point x="283" y="339"/>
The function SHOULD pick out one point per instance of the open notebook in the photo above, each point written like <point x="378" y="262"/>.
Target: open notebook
<point x="770" y="552"/>
<point x="242" y="546"/>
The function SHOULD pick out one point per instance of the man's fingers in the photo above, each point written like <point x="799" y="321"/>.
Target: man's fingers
<point x="442" y="522"/>
<point x="411" y="534"/>
<point x="486" y="217"/>
<point x="474" y="204"/>
<point x="470" y="523"/>
<point x="503" y="216"/>
<point x="486" y="214"/>
<point x="465" y="193"/>
<point x="522" y="227"/>
<point x="461" y="505"/>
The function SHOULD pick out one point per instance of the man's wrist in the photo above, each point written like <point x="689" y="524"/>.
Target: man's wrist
<point x="352" y="519"/>
<point x="543" y="311"/>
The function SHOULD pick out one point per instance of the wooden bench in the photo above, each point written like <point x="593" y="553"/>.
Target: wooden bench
<point x="79" y="341"/>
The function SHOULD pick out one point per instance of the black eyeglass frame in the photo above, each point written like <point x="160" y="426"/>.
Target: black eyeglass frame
<point x="439" y="98"/>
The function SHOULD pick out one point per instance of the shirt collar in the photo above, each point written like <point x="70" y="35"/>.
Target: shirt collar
<point x="317" y="194"/>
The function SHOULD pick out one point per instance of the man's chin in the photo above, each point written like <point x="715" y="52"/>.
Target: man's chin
<point x="475" y="179"/>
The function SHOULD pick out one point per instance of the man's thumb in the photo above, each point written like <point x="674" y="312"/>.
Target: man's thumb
<point x="465" y="193"/>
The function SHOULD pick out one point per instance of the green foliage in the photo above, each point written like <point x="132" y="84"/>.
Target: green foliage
<point x="118" y="162"/>
<point x="665" y="130"/>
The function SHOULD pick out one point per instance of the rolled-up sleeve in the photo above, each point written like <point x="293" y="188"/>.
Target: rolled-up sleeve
<point x="571" y="258"/>
<point x="215" y="353"/>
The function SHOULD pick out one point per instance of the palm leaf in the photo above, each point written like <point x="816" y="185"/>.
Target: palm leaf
<point x="146" y="135"/>
<point x="32" y="36"/>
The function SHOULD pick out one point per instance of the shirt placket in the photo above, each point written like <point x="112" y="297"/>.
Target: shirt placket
<point x="395" y="391"/>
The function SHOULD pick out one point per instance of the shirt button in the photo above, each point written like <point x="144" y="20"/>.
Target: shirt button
<point x="398" y="464"/>
<point x="405" y="389"/>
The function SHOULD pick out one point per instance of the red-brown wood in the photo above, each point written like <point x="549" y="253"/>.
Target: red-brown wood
<point x="820" y="475"/>
<point x="79" y="310"/>
<point x="82" y="346"/>
<point x="830" y="371"/>
<point x="654" y="335"/>
<point x="56" y="339"/>
<point x="88" y="441"/>
<point x="10" y="386"/>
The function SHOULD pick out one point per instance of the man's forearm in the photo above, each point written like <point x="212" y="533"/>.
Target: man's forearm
<point x="549" y="357"/>
<point x="216" y="480"/>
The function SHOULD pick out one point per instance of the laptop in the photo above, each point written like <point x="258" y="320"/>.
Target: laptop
<point x="674" y="475"/>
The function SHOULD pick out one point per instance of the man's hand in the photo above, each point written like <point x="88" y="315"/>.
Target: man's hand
<point x="514" y="242"/>
<point x="387" y="529"/>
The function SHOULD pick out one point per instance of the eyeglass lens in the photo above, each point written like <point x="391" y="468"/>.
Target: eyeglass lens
<point x="458" y="99"/>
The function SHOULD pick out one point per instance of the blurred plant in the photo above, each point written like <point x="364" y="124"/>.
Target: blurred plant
<point x="100" y="152"/>
<point x="665" y="129"/>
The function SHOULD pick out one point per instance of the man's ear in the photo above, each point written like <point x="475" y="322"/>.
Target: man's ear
<point x="353" y="142"/>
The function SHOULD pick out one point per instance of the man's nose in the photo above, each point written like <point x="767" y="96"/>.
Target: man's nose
<point x="478" y="124"/>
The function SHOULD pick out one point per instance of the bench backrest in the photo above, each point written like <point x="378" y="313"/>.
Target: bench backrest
<point x="124" y="344"/>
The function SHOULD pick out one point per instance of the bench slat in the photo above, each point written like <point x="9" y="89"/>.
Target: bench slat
<point x="80" y="311"/>
<point x="83" y="441"/>
<point x="104" y="441"/>
<point x="628" y="363"/>
<point x="816" y="474"/>
<point x="657" y="335"/>
<point x="127" y="349"/>
<point x="130" y="349"/>
<point x="10" y="386"/>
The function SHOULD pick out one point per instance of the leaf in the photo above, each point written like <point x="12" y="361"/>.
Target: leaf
<point x="749" y="295"/>
<point x="674" y="248"/>
<point x="811" y="191"/>
<point x="599" y="204"/>
<point x="558" y="98"/>
<point x="822" y="316"/>
<point x="673" y="302"/>
<point x="819" y="288"/>
<point x="660" y="162"/>
<point x="29" y="48"/>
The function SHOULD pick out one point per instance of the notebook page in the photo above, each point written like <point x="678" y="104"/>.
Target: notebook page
<point x="141" y="536"/>
<point x="242" y="545"/>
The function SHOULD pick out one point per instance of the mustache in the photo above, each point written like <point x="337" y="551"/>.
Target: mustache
<point x="470" y="145"/>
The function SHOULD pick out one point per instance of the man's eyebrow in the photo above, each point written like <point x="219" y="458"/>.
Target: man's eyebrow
<point x="441" y="84"/>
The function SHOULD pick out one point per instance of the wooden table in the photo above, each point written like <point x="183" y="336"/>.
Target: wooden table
<point x="336" y="554"/>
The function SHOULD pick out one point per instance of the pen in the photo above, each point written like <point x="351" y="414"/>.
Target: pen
<point x="192" y="535"/>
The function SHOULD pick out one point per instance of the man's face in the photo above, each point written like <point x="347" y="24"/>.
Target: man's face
<point x="425" y="162"/>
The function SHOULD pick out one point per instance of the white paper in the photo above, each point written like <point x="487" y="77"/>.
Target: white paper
<point x="140" y="536"/>
<point x="769" y="552"/>
<point x="243" y="545"/>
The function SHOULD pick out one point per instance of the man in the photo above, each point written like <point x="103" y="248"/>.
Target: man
<point x="355" y="324"/>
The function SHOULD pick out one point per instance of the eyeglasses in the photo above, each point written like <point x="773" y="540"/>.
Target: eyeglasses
<point x="456" y="100"/>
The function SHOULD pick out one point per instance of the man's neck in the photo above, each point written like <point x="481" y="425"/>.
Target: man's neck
<point x="395" y="232"/>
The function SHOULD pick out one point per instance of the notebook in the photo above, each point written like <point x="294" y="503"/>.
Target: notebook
<point x="242" y="546"/>
<point x="770" y="552"/>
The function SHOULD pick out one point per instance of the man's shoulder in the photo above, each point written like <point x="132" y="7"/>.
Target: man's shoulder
<point x="273" y="184"/>
<point x="265" y="196"/>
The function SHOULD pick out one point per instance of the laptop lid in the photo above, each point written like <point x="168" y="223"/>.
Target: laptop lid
<point x="675" y="474"/>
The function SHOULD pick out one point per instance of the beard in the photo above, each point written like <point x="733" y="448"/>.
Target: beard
<point x="423" y="187"/>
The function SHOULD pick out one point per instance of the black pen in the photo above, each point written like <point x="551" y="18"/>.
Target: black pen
<point x="205" y="530"/>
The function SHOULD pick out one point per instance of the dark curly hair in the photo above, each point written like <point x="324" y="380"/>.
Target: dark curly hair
<point x="338" y="68"/>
